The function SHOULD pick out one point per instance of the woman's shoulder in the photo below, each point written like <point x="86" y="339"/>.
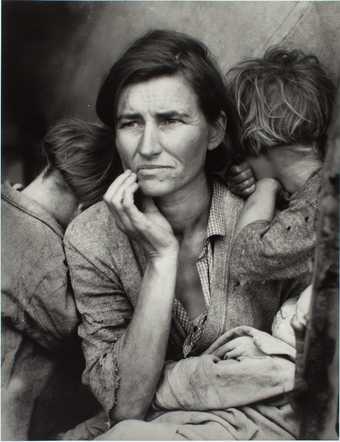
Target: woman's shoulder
<point x="95" y="226"/>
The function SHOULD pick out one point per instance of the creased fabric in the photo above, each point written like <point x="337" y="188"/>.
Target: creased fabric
<point x="36" y="293"/>
<point x="209" y="383"/>
<point x="41" y="360"/>
<point x="262" y="422"/>
<point x="106" y="270"/>
<point x="283" y="248"/>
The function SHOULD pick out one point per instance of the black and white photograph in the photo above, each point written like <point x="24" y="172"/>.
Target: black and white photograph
<point x="170" y="220"/>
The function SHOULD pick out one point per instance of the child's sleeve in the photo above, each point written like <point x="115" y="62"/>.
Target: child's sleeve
<point x="280" y="249"/>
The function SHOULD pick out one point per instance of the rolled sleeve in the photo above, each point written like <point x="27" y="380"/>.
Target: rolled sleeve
<point x="281" y="249"/>
<point x="105" y="313"/>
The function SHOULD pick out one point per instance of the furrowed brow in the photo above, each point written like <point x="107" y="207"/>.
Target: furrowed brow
<point x="128" y="116"/>
<point x="172" y="114"/>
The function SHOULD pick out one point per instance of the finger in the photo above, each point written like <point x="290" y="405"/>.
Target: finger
<point x="243" y="193"/>
<point x="114" y="202"/>
<point x="223" y="349"/>
<point x="233" y="354"/>
<point x="128" y="206"/>
<point x="137" y="218"/>
<point x="118" y="196"/>
<point x="240" y="177"/>
<point x="227" y="337"/>
<point x="244" y="184"/>
<point x="128" y="195"/>
<point x="217" y="344"/>
<point x="127" y="201"/>
<point x="112" y="189"/>
<point x="238" y="168"/>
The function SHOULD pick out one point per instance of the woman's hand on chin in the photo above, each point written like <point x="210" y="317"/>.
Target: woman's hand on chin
<point x="147" y="226"/>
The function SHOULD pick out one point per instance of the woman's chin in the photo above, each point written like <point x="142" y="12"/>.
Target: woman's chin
<point x="155" y="188"/>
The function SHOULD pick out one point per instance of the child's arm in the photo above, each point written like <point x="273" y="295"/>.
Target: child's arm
<point x="260" y="206"/>
<point x="280" y="248"/>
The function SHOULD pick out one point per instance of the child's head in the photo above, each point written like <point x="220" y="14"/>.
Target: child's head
<point x="83" y="155"/>
<point x="284" y="98"/>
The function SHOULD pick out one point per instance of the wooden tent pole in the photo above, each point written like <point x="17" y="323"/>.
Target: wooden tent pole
<point x="317" y="361"/>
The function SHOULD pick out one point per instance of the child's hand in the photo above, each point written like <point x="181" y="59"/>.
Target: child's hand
<point x="241" y="180"/>
<point x="238" y="347"/>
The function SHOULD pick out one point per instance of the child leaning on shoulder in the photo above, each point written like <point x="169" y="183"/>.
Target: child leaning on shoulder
<point x="283" y="103"/>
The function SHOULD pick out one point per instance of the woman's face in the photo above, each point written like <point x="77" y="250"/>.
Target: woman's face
<point x="162" y="134"/>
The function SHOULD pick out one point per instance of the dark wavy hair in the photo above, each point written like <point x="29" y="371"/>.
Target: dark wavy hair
<point x="161" y="53"/>
<point x="283" y="98"/>
<point x="83" y="153"/>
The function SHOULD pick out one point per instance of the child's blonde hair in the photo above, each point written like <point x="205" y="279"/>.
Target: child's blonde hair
<point x="283" y="98"/>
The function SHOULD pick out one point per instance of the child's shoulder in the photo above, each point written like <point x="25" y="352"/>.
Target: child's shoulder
<point x="309" y="192"/>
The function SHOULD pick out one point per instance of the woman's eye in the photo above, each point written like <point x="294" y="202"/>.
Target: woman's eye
<point x="129" y="124"/>
<point x="170" y="121"/>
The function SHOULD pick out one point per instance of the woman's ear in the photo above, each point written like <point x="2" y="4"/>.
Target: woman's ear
<point x="217" y="131"/>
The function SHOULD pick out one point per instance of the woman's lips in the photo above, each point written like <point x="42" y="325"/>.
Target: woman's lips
<point x="150" y="170"/>
<point x="151" y="167"/>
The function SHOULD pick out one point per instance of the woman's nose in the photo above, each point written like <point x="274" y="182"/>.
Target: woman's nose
<point x="149" y="144"/>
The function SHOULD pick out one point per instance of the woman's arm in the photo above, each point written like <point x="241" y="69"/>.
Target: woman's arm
<point x="124" y="348"/>
<point x="143" y="347"/>
<point x="209" y="383"/>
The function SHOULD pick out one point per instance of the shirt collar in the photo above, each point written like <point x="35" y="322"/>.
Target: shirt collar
<point x="216" y="225"/>
<point x="25" y="204"/>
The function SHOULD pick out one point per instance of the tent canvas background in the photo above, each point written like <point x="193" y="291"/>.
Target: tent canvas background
<point x="55" y="54"/>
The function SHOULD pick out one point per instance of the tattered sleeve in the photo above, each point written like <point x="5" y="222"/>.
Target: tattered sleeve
<point x="105" y="313"/>
<point x="280" y="249"/>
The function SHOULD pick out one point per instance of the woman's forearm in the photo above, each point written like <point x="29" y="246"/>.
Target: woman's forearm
<point x="206" y="383"/>
<point x="143" y="347"/>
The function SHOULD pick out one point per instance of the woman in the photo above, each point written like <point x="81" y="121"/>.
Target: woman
<point x="149" y="267"/>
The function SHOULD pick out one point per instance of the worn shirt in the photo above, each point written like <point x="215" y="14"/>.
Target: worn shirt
<point x="191" y="330"/>
<point x="107" y="268"/>
<point x="36" y="293"/>
<point x="39" y="321"/>
<point x="284" y="247"/>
